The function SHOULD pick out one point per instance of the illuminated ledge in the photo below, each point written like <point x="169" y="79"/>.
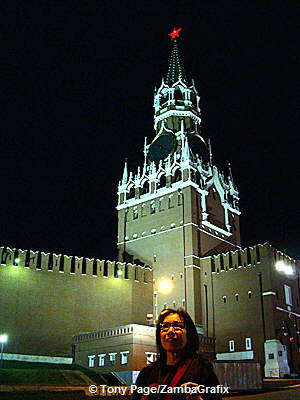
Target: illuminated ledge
<point x="216" y="228"/>
<point x="236" y="355"/>
<point x="42" y="359"/>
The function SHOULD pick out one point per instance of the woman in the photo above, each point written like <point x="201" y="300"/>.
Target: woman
<point x="179" y="366"/>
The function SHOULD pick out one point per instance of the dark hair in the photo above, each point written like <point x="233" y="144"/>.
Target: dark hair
<point x="192" y="344"/>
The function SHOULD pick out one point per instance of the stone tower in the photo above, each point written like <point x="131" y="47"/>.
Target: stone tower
<point x="178" y="206"/>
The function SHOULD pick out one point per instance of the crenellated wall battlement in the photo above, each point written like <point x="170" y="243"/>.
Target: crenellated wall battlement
<point x="247" y="257"/>
<point x="83" y="266"/>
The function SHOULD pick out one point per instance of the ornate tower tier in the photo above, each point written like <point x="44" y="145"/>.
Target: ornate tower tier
<point x="178" y="206"/>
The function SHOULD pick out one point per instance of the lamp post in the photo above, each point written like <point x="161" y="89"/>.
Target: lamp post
<point x="3" y="340"/>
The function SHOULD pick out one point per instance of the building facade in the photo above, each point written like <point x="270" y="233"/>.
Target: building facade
<point x="179" y="246"/>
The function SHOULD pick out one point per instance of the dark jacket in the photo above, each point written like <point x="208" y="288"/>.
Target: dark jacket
<point x="200" y="371"/>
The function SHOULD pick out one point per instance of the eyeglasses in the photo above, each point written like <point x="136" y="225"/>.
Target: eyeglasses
<point x="178" y="326"/>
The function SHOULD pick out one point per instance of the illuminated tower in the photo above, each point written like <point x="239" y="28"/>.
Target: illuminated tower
<point x="178" y="207"/>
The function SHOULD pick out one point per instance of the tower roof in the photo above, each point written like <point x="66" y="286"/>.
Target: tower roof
<point x="176" y="69"/>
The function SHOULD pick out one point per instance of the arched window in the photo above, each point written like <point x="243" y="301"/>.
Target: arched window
<point x="161" y="206"/>
<point x="162" y="181"/>
<point x="170" y="201"/>
<point x="224" y="299"/>
<point x="178" y="94"/>
<point x="152" y="208"/>
<point x="249" y="294"/>
<point x="135" y="213"/>
<point x="131" y="193"/>
<point x="236" y="297"/>
<point x="177" y="176"/>
<point x="145" y="188"/>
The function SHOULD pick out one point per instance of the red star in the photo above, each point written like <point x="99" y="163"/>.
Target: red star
<point x="175" y="33"/>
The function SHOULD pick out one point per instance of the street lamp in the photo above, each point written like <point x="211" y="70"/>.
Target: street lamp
<point x="3" y="340"/>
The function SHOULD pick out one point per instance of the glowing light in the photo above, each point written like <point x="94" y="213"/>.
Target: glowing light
<point x="282" y="267"/>
<point x="291" y="339"/>
<point x="17" y="260"/>
<point x="120" y="272"/>
<point x="149" y="317"/>
<point x="175" y="33"/>
<point x="164" y="286"/>
<point x="3" y="338"/>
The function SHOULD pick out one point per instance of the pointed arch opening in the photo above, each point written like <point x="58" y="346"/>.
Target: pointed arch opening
<point x="177" y="176"/>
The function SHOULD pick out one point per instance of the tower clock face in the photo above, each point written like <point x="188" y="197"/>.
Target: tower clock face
<point x="162" y="147"/>
<point x="198" y="146"/>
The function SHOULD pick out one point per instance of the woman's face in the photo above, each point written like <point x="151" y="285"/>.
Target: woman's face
<point x="173" y="334"/>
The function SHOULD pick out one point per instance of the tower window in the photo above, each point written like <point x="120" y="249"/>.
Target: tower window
<point x="248" y="343"/>
<point x="131" y="193"/>
<point x="135" y="214"/>
<point x="249" y="294"/>
<point x="161" y="206"/>
<point x="180" y="199"/>
<point x="124" y="357"/>
<point x="145" y="188"/>
<point x="236" y="297"/>
<point x="91" y="361"/>
<point x="152" y="208"/>
<point x="112" y="358"/>
<point x="288" y="295"/>
<point x="177" y="176"/>
<point x="224" y="299"/>
<point x="170" y="201"/>
<point x="101" y="360"/>
<point x="231" y="345"/>
<point x="162" y="181"/>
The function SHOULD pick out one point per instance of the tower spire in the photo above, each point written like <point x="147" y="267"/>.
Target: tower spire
<point x="176" y="69"/>
<point x="125" y="173"/>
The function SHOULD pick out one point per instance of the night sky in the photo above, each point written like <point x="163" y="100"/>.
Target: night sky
<point x="78" y="88"/>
